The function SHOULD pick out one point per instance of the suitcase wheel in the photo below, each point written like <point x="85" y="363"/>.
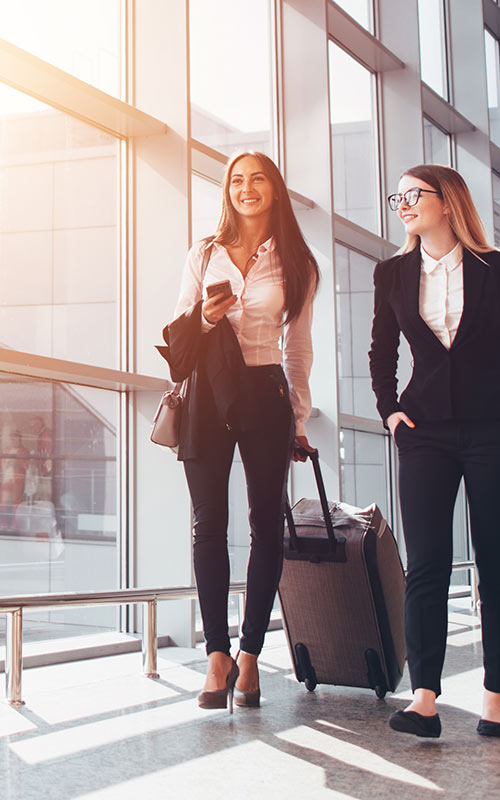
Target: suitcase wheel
<point x="304" y="669"/>
<point x="376" y="677"/>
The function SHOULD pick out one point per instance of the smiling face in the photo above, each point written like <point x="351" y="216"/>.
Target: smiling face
<point x="250" y="190"/>
<point x="428" y="215"/>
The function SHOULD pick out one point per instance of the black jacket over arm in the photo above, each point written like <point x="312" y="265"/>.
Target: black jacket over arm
<point x="217" y="390"/>
<point x="460" y="383"/>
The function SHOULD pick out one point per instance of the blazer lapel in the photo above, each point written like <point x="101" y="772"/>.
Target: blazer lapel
<point x="474" y="274"/>
<point x="410" y="281"/>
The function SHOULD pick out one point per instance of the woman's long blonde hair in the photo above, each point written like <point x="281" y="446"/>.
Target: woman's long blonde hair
<point x="464" y="220"/>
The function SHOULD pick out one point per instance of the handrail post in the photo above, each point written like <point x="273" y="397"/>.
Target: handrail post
<point x="149" y="639"/>
<point x="14" y="657"/>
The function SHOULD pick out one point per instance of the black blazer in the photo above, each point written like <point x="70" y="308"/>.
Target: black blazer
<point x="460" y="383"/>
<point x="218" y="390"/>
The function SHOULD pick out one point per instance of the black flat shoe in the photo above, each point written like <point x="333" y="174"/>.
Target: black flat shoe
<point x="487" y="728"/>
<point x="412" y="722"/>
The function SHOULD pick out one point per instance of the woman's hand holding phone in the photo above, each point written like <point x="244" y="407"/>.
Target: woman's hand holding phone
<point x="218" y="301"/>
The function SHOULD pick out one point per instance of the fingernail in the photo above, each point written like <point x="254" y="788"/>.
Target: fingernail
<point x="411" y="424"/>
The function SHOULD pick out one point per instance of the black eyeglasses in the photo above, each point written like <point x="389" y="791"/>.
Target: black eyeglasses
<point x="411" y="197"/>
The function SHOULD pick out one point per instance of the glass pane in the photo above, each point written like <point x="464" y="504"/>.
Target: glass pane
<point x="206" y="198"/>
<point x="432" y="45"/>
<point x="355" y="154"/>
<point x="231" y="97"/>
<point x="360" y="10"/>
<point x="58" y="499"/>
<point x="59" y="233"/>
<point x="493" y="85"/>
<point x="80" y="38"/>
<point x="363" y="469"/>
<point x="354" y="293"/>
<point x="354" y="289"/>
<point x="436" y="145"/>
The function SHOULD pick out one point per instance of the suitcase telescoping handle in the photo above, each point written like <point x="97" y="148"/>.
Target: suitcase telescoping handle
<point x="314" y="456"/>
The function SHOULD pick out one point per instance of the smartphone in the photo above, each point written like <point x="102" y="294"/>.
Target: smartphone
<point x="224" y="288"/>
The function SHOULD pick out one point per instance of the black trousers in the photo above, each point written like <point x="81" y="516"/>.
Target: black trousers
<point x="265" y="454"/>
<point x="433" y="457"/>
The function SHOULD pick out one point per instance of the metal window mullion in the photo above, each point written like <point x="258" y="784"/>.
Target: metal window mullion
<point x="123" y="504"/>
<point x="378" y="133"/>
<point x="277" y="100"/>
<point x="123" y="487"/>
<point x="447" y="51"/>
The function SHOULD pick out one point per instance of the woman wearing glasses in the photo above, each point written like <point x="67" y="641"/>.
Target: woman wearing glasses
<point x="442" y="291"/>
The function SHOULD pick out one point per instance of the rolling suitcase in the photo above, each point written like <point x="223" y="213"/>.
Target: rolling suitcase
<point x="342" y="594"/>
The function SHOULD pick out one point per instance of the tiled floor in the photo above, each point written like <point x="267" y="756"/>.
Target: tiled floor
<point x="99" y="730"/>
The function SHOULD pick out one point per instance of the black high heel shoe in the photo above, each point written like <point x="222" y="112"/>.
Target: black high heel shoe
<point x="244" y="699"/>
<point x="247" y="699"/>
<point x="218" y="698"/>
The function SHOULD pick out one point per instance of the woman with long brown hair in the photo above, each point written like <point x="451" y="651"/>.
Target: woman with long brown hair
<point x="226" y="337"/>
<point x="442" y="291"/>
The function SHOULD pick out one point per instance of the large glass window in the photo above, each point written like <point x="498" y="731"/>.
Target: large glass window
<point x="82" y="38"/>
<point x="363" y="454"/>
<point x="230" y="77"/>
<point x="354" y="134"/>
<point x="432" y="36"/>
<point x="59" y="233"/>
<point x="360" y="10"/>
<point x="206" y="198"/>
<point x="363" y="469"/>
<point x="354" y="291"/>
<point x="436" y="144"/>
<point x="58" y="498"/>
<point x="492" y="53"/>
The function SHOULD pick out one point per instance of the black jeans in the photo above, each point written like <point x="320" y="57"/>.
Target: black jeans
<point x="433" y="457"/>
<point x="265" y="454"/>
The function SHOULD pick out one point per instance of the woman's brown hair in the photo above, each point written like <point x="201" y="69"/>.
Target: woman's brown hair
<point x="300" y="268"/>
<point x="464" y="220"/>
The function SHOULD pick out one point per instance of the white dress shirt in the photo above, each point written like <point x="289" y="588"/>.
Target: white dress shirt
<point x="257" y="316"/>
<point x="441" y="299"/>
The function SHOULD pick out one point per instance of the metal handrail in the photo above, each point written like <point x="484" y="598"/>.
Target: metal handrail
<point x="13" y="605"/>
